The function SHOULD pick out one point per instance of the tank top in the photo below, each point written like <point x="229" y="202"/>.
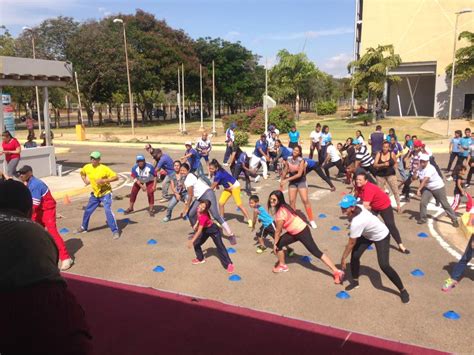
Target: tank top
<point x="293" y="167"/>
<point x="387" y="170"/>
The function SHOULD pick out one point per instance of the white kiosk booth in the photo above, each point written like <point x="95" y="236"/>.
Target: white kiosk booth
<point x="42" y="73"/>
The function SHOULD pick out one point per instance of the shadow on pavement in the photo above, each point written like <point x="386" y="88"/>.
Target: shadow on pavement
<point x="73" y="245"/>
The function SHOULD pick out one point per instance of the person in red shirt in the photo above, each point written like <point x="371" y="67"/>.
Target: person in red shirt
<point x="12" y="149"/>
<point x="375" y="199"/>
<point x="44" y="212"/>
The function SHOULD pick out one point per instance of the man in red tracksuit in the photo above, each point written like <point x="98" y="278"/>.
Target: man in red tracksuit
<point x="44" y="212"/>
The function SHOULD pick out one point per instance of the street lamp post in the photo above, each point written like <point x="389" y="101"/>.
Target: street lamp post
<point x="130" y="96"/>
<point x="463" y="11"/>
<point x="38" y="111"/>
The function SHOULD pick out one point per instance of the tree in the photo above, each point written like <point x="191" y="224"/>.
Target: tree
<point x="464" y="59"/>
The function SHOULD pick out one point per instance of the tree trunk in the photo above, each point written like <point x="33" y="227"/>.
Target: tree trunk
<point x="297" y="105"/>
<point x="101" y="122"/>
<point x="119" y="117"/>
<point x="369" y="105"/>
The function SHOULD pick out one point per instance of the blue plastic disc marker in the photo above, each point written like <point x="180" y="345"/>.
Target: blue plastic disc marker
<point x="335" y="228"/>
<point x="152" y="242"/>
<point x="120" y="210"/>
<point x="237" y="209"/>
<point x="322" y="215"/>
<point x="64" y="231"/>
<point x="159" y="269"/>
<point x="417" y="273"/>
<point x="343" y="295"/>
<point x="126" y="220"/>
<point x="231" y="250"/>
<point x="422" y="235"/>
<point x="306" y="259"/>
<point x="451" y="315"/>
<point x="370" y="247"/>
<point x="235" y="278"/>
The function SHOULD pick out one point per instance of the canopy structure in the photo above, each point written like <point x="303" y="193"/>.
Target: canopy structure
<point x="26" y="72"/>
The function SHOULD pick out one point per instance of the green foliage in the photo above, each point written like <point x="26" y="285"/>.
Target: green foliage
<point x="241" y="138"/>
<point x="282" y="117"/>
<point x="326" y="108"/>
<point x="464" y="59"/>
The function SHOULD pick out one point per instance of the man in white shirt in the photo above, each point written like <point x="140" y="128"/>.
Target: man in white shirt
<point x="366" y="229"/>
<point x="333" y="158"/>
<point x="432" y="185"/>
<point x="314" y="137"/>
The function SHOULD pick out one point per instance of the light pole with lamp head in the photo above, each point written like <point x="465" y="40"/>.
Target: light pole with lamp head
<point x="463" y="11"/>
<point x="38" y="111"/>
<point x="130" y="97"/>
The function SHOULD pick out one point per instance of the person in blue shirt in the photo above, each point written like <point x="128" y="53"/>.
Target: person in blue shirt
<point x="268" y="226"/>
<point x="229" y="141"/>
<point x="283" y="153"/>
<point x="464" y="145"/>
<point x="260" y="155"/>
<point x="231" y="188"/>
<point x="454" y="149"/>
<point x="323" y="141"/>
<point x="294" y="136"/>
<point x="144" y="178"/>
<point x="164" y="164"/>
<point x="194" y="160"/>
<point x="240" y="165"/>
<point x="313" y="165"/>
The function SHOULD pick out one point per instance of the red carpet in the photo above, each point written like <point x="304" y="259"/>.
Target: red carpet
<point x="126" y="319"/>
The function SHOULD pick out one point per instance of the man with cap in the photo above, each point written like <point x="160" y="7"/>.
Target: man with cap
<point x="99" y="176"/>
<point x="44" y="211"/>
<point x="164" y="166"/>
<point x="229" y="141"/>
<point x="432" y="185"/>
<point x="366" y="229"/>
<point x="144" y="178"/>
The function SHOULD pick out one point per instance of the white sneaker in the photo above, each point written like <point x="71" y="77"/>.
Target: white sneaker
<point x="66" y="264"/>
<point x="257" y="179"/>
<point x="265" y="177"/>
<point x="313" y="224"/>
<point x="225" y="164"/>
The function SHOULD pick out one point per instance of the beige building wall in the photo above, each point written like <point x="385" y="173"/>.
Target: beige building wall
<point x="421" y="31"/>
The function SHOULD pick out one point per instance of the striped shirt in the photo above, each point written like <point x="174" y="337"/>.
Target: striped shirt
<point x="364" y="157"/>
<point x="203" y="146"/>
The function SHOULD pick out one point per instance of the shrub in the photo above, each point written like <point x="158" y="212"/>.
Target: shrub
<point x="326" y="107"/>
<point x="241" y="119"/>
<point x="241" y="138"/>
<point x="282" y="117"/>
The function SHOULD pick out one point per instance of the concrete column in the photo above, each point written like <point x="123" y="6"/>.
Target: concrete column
<point x="47" y="126"/>
<point x="2" y="123"/>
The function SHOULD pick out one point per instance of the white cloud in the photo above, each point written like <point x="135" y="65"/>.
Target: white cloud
<point x="337" y="65"/>
<point x="232" y="35"/>
<point x="104" y="12"/>
<point x="307" y="34"/>
<point x="269" y="62"/>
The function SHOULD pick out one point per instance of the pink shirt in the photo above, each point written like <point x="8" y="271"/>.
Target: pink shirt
<point x="292" y="223"/>
<point x="11" y="146"/>
<point x="204" y="220"/>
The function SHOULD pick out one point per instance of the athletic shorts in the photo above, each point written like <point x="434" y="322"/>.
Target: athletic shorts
<point x="264" y="231"/>
<point x="298" y="184"/>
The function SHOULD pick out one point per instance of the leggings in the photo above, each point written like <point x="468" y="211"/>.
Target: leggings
<point x="321" y="174"/>
<point x="452" y="156"/>
<point x="213" y="210"/>
<point x="383" y="252"/>
<point x="322" y="154"/>
<point x="469" y="174"/>
<point x="391" y="181"/>
<point x="457" y="201"/>
<point x="337" y="164"/>
<point x="312" y="148"/>
<point x="238" y="168"/>
<point x="215" y="233"/>
<point x="389" y="220"/>
<point x="461" y="266"/>
<point x="305" y="238"/>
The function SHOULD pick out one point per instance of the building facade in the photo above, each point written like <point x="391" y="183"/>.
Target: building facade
<point x="422" y="33"/>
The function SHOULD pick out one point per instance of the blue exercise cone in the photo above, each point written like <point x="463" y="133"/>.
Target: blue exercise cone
<point x="159" y="268"/>
<point x="64" y="231"/>
<point x="343" y="295"/>
<point x="335" y="228"/>
<point x="322" y="215"/>
<point x="152" y="242"/>
<point x="120" y="210"/>
<point x="418" y="273"/>
<point x="235" y="278"/>
<point x="451" y="315"/>
<point x="306" y="259"/>
<point x="370" y="247"/>
<point x="231" y="250"/>
<point x="422" y="235"/>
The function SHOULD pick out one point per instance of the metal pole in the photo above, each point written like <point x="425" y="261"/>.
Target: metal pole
<point x="2" y="123"/>
<point x="130" y="96"/>
<point x="184" y="102"/>
<point x="47" y="126"/>
<point x="213" y="101"/>
<point x="356" y="17"/>
<point x="202" y="115"/>
<point x="38" y="111"/>
<point x="452" y="77"/>
<point x="179" y="100"/>
<point x="79" y="99"/>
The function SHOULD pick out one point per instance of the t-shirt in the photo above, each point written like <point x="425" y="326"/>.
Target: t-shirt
<point x="376" y="140"/>
<point x="314" y="136"/>
<point x="414" y="162"/>
<point x="310" y="163"/>
<point x="242" y="158"/>
<point x="455" y="142"/>
<point x="229" y="135"/>
<point x="364" y="157"/>
<point x="285" y="152"/>
<point x="435" y="181"/>
<point x="367" y="225"/>
<point x="28" y="254"/>
<point x="260" y="145"/>
<point x="203" y="146"/>
<point x="99" y="172"/>
<point x="396" y="148"/>
<point x="465" y="144"/>
<point x="325" y="138"/>
<point x="223" y="178"/>
<point x="358" y="140"/>
<point x="13" y="145"/>
<point x="204" y="220"/>
<point x="264" y="217"/>
<point x="294" y="136"/>
<point x="166" y="163"/>
<point x="375" y="195"/>
<point x="292" y="223"/>
<point x="199" y="186"/>
<point x="194" y="159"/>
<point x="144" y="175"/>
<point x="333" y="153"/>
<point x="42" y="198"/>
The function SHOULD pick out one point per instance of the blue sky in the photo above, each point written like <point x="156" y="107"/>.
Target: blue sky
<point x="264" y="26"/>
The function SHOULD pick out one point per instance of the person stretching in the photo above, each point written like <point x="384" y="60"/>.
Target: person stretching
<point x="313" y="165"/>
<point x="231" y="188"/>
<point x="295" y="169"/>
<point x="459" y="177"/>
<point x="144" y="178"/>
<point x="205" y="228"/>
<point x="333" y="158"/>
<point x="365" y="229"/>
<point x="296" y="231"/>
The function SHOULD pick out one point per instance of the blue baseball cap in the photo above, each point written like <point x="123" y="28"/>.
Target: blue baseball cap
<point x="348" y="201"/>
<point x="140" y="158"/>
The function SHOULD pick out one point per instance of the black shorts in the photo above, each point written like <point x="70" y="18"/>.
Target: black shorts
<point x="264" y="231"/>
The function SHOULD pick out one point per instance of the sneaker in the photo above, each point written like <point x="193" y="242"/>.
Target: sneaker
<point x="290" y="251"/>
<point x="116" y="235"/>
<point x="151" y="213"/>
<point x="196" y="261"/>
<point x="313" y="224"/>
<point x="80" y="230"/>
<point x="352" y="286"/>
<point x="225" y="164"/>
<point x="405" y="297"/>
<point x="230" y="268"/>
<point x="455" y="223"/>
<point x="232" y="240"/>
<point x="261" y="249"/>
<point x="250" y="223"/>
<point x="163" y="200"/>
<point x="338" y="277"/>
<point x="421" y="221"/>
<point x="166" y="219"/>
<point x="257" y="178"/>
<point x="66" y="264"/>
<point x="280" y="268"/>
<point x="449" y="284"/>
<point x="265" y="177"/>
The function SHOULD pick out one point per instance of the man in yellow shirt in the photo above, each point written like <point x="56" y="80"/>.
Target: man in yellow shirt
<point x="99" y="177"/>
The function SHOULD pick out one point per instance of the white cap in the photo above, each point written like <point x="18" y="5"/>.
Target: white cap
<point x="424" y="157"/>
<point x="188" y="143"/>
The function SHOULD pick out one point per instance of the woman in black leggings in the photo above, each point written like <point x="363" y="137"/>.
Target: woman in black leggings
<point x="365" y="229"/>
